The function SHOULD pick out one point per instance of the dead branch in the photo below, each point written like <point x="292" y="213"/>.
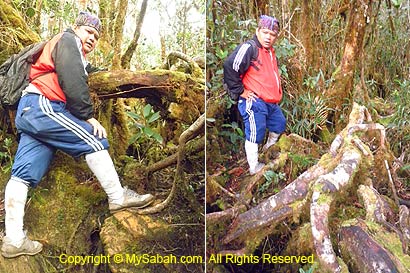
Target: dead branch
<point x="215" y="217"/>
<point x="266" y="212"/>
<point x="391" y="183"/>
<point x="174" y="56"/>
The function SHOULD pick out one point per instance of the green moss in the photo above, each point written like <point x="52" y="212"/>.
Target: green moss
<point x="343" y="265"/>
<point x="329" y="161"/>
<point x="298" y="209"/>
<point x="284" y="143"/>
<point x="326" y="136"/>
<point x="390" y="241"/>
<point x="59" y="209"/>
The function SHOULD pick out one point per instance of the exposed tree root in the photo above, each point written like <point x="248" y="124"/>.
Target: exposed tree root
<point x="322" y="198"/>
<point x="343" y="168"/>
<point x="193" y="131"/>
<point x="363" y="252"/>
<point x="194" y="146"/>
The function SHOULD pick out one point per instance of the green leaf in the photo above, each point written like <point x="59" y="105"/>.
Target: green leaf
<point x="239" y="131"/>
<point x="134" y="138"/>
<point x="221" y="54"/>
<point x="147" y="110"/>
<point x="210" y="119"/>
<point x="157" y="137"/>
<point x="269" y="175"/>
<point x="405" y="167"/>
<point x="396" y="3"/>
<point x="133" y="115"/>
<point x="154" y="117"/>
<point x="30" y="12"/>
<point x="148" y="131"/>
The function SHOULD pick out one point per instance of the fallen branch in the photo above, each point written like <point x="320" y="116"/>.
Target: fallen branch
<point x="376" y="211"/>
<point x="266" y="212"/>
<point x="391" y="183"/>
<point x="215" y="217"/>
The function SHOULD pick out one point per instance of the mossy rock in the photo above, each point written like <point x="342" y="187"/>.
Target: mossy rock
<point x="26" y="264"/>
<point x="131" y="235"/>
<point x="59" y="210"/>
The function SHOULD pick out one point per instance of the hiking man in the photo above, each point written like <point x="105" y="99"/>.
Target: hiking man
<point x="257" y="84"/>
<point x="55" y="112"/>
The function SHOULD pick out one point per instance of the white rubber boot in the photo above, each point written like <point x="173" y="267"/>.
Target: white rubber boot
<point x="101" y="165"/>
<point x="16" y="243"/>
<point x="119" y="198"/>
<point x="251" y="150"/>
<point x="272" y="139"/>
<point x="15" y="198"/>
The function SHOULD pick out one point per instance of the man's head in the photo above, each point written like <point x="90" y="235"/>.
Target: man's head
<point x="87" y="26"/>
<point x="267" y="31"/>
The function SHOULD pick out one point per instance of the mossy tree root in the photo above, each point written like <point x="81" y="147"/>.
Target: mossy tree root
<point x="344" y="167"/>
<point x="193" y="131"/>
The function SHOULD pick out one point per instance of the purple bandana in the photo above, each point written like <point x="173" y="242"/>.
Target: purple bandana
<point x="88" y="19"/>
<point x="269" y="22"/>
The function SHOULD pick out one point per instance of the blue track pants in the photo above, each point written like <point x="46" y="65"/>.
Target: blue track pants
<point x="45" y="126"/>
<point x="258" y="116"/>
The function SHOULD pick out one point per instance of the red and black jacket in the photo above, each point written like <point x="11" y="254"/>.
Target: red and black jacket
<point x="260" y="76"/>
<point x="61" y="74"/>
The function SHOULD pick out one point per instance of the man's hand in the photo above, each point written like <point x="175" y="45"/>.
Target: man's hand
<point x="98" y="128"/>
<point x="249" y="95"/>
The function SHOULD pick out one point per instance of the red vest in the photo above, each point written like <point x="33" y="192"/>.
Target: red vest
<point x="264" y="79"/>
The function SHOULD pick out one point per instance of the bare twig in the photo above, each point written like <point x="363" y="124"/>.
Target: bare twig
<point x="391" y="183"/>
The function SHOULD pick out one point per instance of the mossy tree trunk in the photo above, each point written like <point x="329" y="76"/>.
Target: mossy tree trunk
<point x="126" y="58"/>
<point x="341" y="90"/>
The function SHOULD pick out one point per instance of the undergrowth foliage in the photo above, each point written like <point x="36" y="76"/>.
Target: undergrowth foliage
<point x="143" y="123"/>
<point x="399" y="126"/>
<point x="306" y="115"/>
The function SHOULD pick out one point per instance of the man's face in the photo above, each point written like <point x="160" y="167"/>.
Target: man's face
<point x="89" y="37"/>
<point x="266" y="37"/>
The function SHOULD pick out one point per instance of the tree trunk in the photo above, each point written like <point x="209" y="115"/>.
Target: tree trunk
<point x="117" y="35"/>
<point x="341" y="91"/>
<point x="12" y="41"/>
<point x="126" y="58"/>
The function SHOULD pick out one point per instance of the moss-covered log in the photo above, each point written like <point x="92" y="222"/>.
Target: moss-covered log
<point x="181" y="95"/>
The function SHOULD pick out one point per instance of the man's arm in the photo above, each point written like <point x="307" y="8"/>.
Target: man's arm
<point x="235" y="66"/>
<point x="72" y="76"/>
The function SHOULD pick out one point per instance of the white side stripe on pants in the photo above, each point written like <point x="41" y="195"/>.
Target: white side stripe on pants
<point x="69" y="124"/>
<point x="252" y="123"/>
